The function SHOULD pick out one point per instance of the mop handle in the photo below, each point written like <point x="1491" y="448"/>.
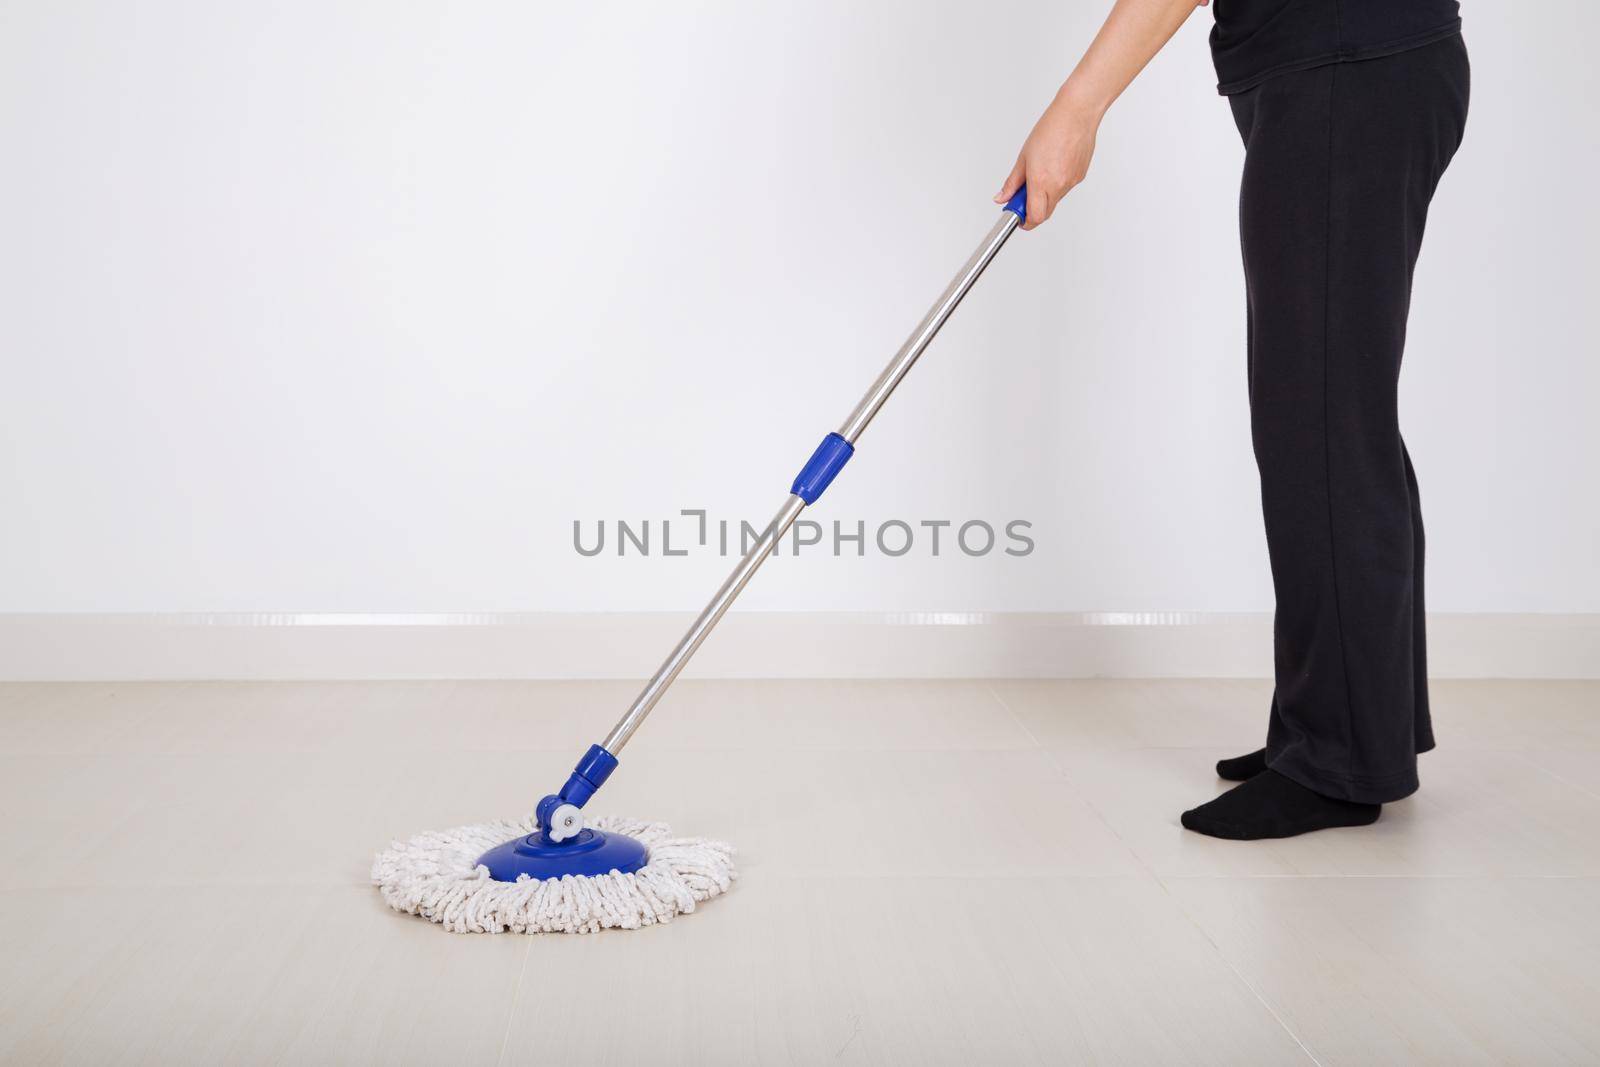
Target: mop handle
<point x="829" y="458"/>
<point x="825" y="463"/>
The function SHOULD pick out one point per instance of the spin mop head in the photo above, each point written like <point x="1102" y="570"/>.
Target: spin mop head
<point x="504" y="876"/>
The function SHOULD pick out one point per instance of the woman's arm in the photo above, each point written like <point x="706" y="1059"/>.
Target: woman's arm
<point x="1056" y="155"/>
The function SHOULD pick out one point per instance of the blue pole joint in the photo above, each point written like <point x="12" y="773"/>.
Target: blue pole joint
<point x="587" y="777"/>
<point x="1018" y="204"/>
<point x="822" y="468"/>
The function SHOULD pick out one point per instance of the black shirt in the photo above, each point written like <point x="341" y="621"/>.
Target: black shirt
<point x="1255" y="39"/>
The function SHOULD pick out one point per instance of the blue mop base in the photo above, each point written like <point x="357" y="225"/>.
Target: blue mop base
<point x="593" y="852"/>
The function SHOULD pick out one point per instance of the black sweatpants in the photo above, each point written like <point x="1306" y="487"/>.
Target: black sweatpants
<point x="1340" y="164"/>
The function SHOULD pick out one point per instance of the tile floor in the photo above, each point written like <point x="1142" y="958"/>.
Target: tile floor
<point x="933" y="872"/>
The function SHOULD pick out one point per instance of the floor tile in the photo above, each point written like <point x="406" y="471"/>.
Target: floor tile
<point x="1578" y="767"/>
<point x="268" y="819"/>
<point x="904" y="970"/>
<point x="58" y="716"/>
<point x="244" y="975"/>
<point x="200" y="718"/>
<point x="1122" y="713"/>
<point x="1505" y="714"/>
<point x="1446" y="971"/>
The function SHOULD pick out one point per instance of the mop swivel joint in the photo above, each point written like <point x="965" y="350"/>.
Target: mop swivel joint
<point x="558" y="814"/>
<point x="565" y="823"/>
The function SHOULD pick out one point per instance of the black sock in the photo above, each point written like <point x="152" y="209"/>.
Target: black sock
<point x="1242" y="768"/>
<point x="1270" y="805"/>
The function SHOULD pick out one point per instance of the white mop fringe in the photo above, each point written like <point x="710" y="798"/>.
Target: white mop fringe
<point x="436" y="875"/>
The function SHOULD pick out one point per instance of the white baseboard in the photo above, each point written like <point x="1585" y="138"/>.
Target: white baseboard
<point x="746" y="645"/>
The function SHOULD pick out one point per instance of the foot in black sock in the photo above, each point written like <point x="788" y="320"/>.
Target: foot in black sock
<point x="1242" y="768"/>
<point x="1270" y="805"/>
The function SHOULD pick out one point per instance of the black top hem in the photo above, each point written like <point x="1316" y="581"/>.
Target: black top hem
<point x="1345" y="55"/>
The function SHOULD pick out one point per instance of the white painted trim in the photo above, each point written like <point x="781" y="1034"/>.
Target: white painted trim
<point x="747" y="645"/>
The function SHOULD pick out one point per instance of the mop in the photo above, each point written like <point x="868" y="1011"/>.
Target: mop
<point x="552" y="872"/>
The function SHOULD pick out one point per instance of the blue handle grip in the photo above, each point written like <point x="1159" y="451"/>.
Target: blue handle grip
<point x="822" y="468"/>
<point x="1018" y="204"/>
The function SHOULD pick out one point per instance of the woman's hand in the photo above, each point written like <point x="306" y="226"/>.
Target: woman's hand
<point x="1054" y="158"/>
<point x="1056" y="155"/>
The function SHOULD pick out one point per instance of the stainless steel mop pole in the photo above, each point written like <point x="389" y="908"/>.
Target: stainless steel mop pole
<point x="558" y="815"/>
<point x="702" y="625"/>
<point x="852" y="429"/>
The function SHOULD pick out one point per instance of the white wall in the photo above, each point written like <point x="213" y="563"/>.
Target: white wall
<point x="356" y="306"/>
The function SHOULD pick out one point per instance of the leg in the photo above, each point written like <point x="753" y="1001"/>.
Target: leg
<point x="1340" y="166"/>
<point x="1392" y="128"/>
<point x="1327" y="444"/>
